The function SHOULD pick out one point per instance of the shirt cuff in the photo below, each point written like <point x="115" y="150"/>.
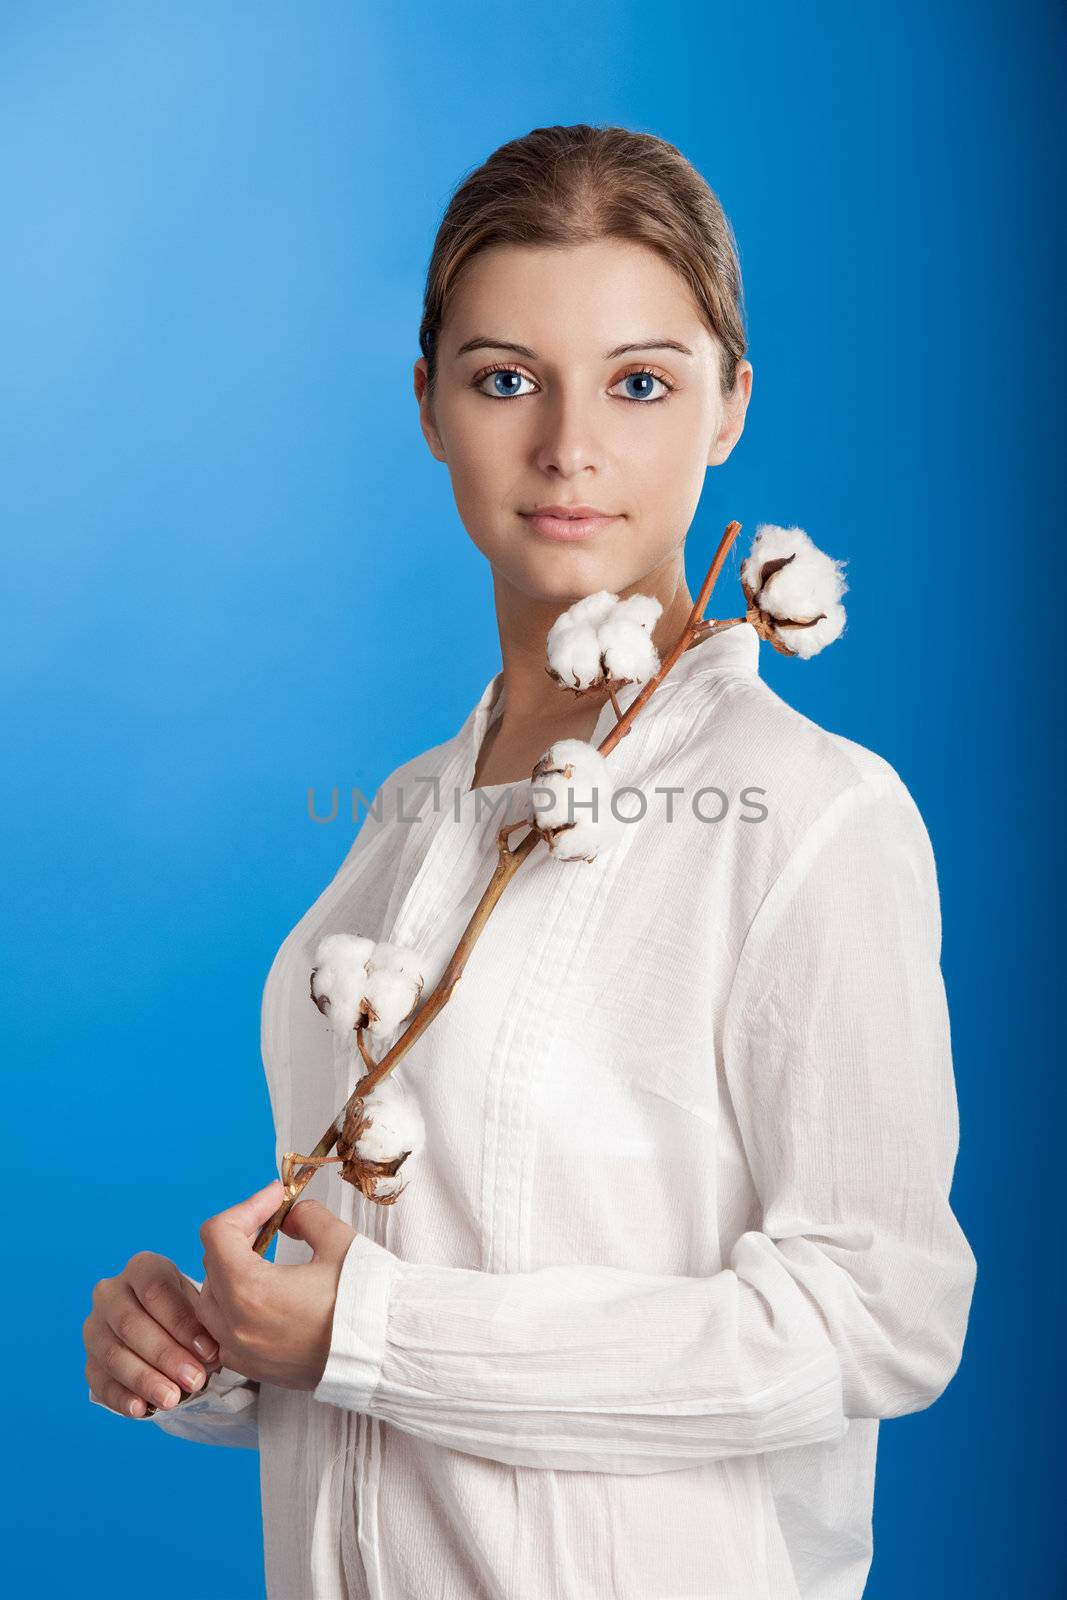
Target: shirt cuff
<point x="224" y="1392"/>
<point x="360" y="1319"/>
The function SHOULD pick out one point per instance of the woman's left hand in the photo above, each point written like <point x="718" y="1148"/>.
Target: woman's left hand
<point x="272" y="1323"/>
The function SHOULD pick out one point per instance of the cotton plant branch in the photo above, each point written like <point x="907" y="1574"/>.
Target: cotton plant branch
<point x="792" y="592"/>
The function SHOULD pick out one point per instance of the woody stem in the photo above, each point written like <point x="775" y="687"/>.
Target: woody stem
<point x="508" y="863"/>
<point x="681" y="644"/>
<point x="707" y="627"/>
<point x="364" y="1051"/>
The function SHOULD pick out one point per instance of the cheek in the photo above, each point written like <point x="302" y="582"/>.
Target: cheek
<point x="487" y="471"/>
<point x="664" y="469"/>
<point x="479" y="460"/>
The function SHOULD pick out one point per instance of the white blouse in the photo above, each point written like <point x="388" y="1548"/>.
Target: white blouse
<point x="680" y="1234"/>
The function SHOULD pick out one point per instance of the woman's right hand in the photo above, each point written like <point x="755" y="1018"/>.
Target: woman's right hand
<point x="142" y="1338"/>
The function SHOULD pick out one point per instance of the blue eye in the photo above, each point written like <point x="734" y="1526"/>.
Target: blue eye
<point x="506" y="385"/>
<point x="644" y="380"/>
<point x="505" y="381"/>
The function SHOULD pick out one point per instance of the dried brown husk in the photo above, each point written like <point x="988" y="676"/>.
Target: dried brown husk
<point x="764" y="623"/>
<point x="603" y="682"/>
<point x="542" y="769"/>
<point x="356" y="1169"/>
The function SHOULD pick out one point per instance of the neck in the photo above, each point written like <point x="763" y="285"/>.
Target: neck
<point x="529" y="694"/>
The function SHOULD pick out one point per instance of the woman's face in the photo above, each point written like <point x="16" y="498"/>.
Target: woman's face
<point x="577" y="376"/>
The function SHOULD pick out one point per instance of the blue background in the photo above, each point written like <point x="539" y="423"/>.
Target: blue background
<point x="231" y="557"/>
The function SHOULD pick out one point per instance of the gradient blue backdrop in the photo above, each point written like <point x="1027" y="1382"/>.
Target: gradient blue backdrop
<point x="219" y="513"/>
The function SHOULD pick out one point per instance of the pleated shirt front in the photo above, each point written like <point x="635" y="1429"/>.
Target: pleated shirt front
<point x="681" y="1231"/>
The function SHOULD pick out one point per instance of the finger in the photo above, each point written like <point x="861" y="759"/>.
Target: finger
<point x="121" y="1365"/>
<point x="202" y="1341"/>
<point x="213" y="1316"/>
<point x="319" y="1227"/>
<point x="133" y="1346"/>
<point x="249" y="1215"/>
<point x="172" y="1301"/>
<point x="110" y="1392"/>
<point x="228" y="1236"/>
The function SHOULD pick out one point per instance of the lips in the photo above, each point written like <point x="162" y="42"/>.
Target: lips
<point x="576" y="512"/>
<point x="568" y="522"/>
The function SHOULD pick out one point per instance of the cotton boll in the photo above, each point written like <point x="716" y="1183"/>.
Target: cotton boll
<point x="811" y="583"/>
<point x="345" y="996"/>
<point x="393" y="986"/>
<point x="798" y="602"/>
<point x="807" y="642"/>
<point x="593" y="609"/>
<point x="574" y="655"/>
<point x="339" y="977"/>
<point x="603" y="636"/>
<point x="644" y="609"/>
<point x="572" y="646"/>
<point x="381" y="1134"/>
<point x="587" y="613"/>
<point x="392" y="1125"/>
<point x="568" y="764"/>
<point x="344" y="951"/>
<point x="396" y="958"/>
<point x="627" y="649"/>
<point x="586" y="839"/>
<point x="388" y="996"/>
<point x="771" y="543"/>
<point x="389" y="1188"/>
<point x="565" y="782"/>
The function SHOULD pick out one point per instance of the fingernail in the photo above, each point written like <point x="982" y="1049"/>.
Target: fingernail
<point x="191" y="1377"/>
<point x="205" y="1347"/>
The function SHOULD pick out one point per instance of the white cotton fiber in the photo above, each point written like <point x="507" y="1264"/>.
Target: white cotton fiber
<point x="340" y="976"/>
<point x="627" y="650"/>
<point x="393" y="986"/>
<point x="808" y="587"/>
<point x="602" y="636"/>
<point x="808" y="642"/>
<point x="644" y="609"/>
<point x="574" y="654"/>
<point x="593" y="608"/>
<point x="571" y="643"/>
<point x="770" y="544"/>
<point x="389" y="957"/>
<point x="385" y="1185"/>
<point x="397" y="1124"/>
<point x="586" y="840"/>
<point x="389" y="995"/>
<point x="572" y="767"/>
<point x="809" y="584"/>
<point x="357" y="975"/>
<point x="344" y="951"/>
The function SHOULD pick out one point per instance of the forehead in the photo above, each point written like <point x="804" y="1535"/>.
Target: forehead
<point x="597" y="294"/>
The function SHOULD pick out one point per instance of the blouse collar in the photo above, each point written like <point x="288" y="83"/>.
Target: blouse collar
<point x="734" y="650"/>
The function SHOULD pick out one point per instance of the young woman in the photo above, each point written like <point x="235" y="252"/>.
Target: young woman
<point x="680" y="1235"/>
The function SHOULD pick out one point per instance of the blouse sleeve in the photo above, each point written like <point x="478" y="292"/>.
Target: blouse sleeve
<point x="852" y="1298"/>
<point x="223" y="1412"/>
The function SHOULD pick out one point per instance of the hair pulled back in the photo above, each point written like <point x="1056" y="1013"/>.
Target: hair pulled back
<point x="569" y="185"/>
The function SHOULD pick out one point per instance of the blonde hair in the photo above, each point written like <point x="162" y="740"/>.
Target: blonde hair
<point x="570" y="185"/>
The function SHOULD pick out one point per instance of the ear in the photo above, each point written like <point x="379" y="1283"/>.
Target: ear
<point x="426" y="417"/>
<point x="732" y="424"/>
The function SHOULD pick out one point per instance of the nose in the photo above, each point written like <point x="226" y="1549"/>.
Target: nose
<point x="568" y="443"/>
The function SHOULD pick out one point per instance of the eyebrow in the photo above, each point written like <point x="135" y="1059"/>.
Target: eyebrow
<point x="483" y="343"/>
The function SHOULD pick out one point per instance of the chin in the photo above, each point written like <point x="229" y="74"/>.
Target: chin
<point x="566" y="575"/>
<point x="569" y="571"/>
